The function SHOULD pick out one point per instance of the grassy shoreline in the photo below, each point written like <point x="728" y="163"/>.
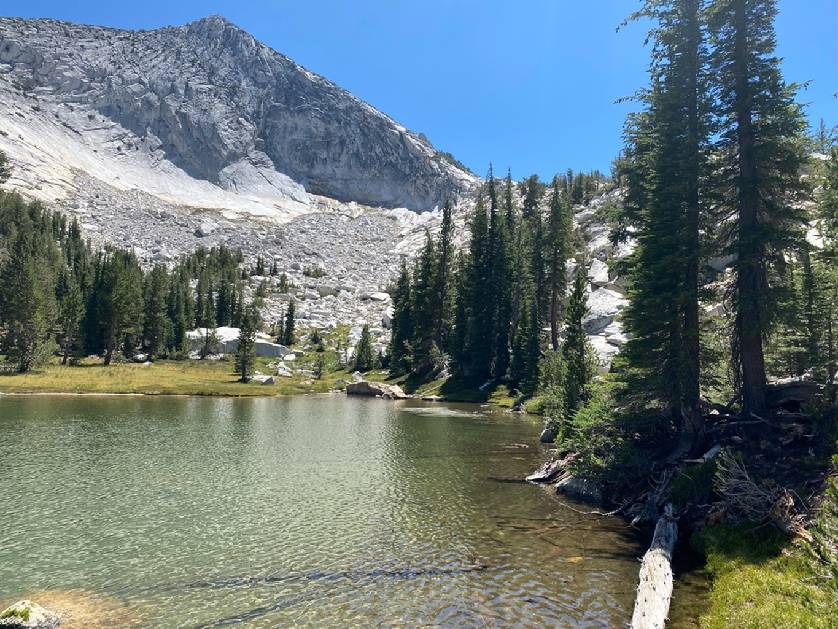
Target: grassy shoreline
<point x="209" y="378"/>
<point x="760" y="579"/>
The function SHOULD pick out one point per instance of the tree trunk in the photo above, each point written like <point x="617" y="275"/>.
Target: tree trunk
<point x="830" y="351"/>
<point x="554" y="317"/>
<point x="693" y="420"/>
<point x="654" y="593"/>
<point x="751" y="281"/>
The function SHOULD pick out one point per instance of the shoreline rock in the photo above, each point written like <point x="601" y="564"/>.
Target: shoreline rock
<point x="28" y="615"/>
<point x="580" y="488"/>
<point x="548" y="435"/>
<point x="376" y="389"/>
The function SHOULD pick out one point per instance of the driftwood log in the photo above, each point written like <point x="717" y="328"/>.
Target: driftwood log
<point x="651" y="607"/>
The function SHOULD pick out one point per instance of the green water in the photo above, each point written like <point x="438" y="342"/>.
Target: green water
<point x="322" y="511"/>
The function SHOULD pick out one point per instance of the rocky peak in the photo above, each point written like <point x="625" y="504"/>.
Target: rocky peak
<point x="212" y="101"/>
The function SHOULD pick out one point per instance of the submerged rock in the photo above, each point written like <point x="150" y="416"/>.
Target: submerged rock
<point x="28" y="615"/>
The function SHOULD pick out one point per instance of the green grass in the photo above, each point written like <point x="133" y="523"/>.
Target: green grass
<point x="17" y="612"/>
<point x="449" y="389"/>
<point x="760" y="580"/>
<point x="165" y="377"/>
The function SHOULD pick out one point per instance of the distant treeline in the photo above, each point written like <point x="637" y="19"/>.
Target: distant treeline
<point x="480" y="311"/>
<point x="59" y="293"/>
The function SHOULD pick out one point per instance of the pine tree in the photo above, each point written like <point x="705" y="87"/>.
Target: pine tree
<point x="532" y="190"/>
<point x="663" y="167"/>
<point x="499" y="286"/>
<point x="576" y="350"/>
<point x="70" y="313"/>
<point x="478" y="353"/>
<point x="526" y="351"/>
<point x="121" y="314"/>
<point x="785" y="348"/>
<point x="26" y="306"/>
<point x="559" y="237"/>
<point x="154" y="321"/>
<point x="283" y="284"/>
<point x="319" y="368"/>
<point x="425" y="301"/>
<point x="178" y="310"/>
<point x="262" y="291"/>
<point x="224" y="301"/>
<point x="812" y="314"/>
<point x="208" y="318"/>
<point x="506" y="289"/>
<point x="509" y="207"/>
<point x="824" y="138"/>
<point x="246" y="350"/>
<point x="401" y="359"/>
<point x="502" y="282"/>
<point x="5" y="168"/>
<point x="201" y="307"/>
<point x="459" y="337"/>
<point x="237" y="311"/>
<point x="761" y="155"/>
<point x="537" y="264"/>
<point x="444" y="289"/>
<point x="288" y="327"/>
<point x="552" y="374"/>
<point x="826" y="269"/>
<point x="364" y="360"/>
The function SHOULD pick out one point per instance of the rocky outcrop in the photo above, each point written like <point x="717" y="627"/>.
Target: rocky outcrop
<point x="558" y="473"/>
<point x="607" y="296"/>
<point x="376" y="389"/>
<point x="549" y="434"/>
<point x="211" y="101"/>
<point x="164" y="141"/>
<point x="225" y="340"/>
<point x="580" y="488"/>
<point x="28" y="615"/>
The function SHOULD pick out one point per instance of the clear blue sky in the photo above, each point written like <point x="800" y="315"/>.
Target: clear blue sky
<point x="530" y="84"/>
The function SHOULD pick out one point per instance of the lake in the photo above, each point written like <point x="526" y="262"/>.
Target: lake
<point x="321" y="511"/>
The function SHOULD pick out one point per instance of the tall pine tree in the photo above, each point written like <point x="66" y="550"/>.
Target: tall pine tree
<point x="401" y="350"/>
<point x="760" y="155"/>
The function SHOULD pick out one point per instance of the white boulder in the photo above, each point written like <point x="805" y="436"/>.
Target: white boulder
<point x="375" y="296"/>
<point x="604" y="305"/>
<point x="598" y="273"/>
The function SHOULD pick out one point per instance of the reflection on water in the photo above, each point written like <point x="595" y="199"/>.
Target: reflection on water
<point x="321" y="511"/>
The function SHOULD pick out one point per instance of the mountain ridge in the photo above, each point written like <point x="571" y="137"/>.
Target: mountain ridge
<point x="229" y="110"/>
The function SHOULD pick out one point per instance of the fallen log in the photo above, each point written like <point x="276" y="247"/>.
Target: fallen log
<point x="654" y="592"/>
<point x="549" y="471"/>
<point x="648" y="509"/>
<point x="792" y="392"/>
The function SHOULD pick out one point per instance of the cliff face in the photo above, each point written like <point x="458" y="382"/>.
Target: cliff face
<point x="224" y="109"/>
